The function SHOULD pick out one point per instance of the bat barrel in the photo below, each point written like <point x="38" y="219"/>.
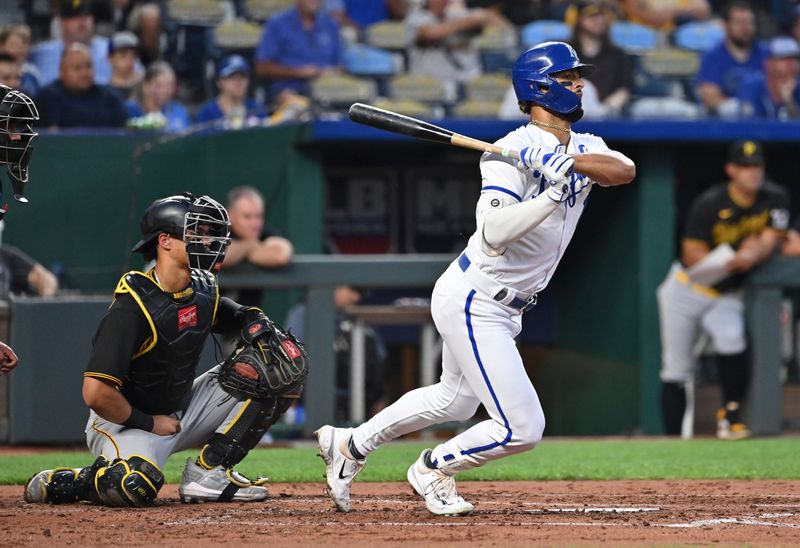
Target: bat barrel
<point x="397" y="123"/>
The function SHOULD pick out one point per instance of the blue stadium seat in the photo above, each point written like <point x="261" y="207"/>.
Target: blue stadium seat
<point x="699" y="35"/>
<point x="633" y="37"/>
<point x="364" y="60"/>
<point x="544" y="31"/>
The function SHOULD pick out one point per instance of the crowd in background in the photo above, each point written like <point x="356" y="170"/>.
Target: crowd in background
<point x="167" y="64"/>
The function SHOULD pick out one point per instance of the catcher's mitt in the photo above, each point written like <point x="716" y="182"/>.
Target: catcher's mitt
<point x="268" y="362"/>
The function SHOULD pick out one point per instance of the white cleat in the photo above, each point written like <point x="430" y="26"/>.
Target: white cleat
<point x="438" y="489"/>
<point x="218" y="485"/>
<point x="340" y="469"/>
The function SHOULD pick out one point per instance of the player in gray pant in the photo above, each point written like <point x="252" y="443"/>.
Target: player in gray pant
<point x="139" y="382"/>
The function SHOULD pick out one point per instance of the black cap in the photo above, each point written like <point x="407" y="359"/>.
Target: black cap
<point x="746" y="153"/>
<point x="73" y="8"/>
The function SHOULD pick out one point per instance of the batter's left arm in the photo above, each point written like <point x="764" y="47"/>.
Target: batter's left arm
<point x="608" y="168"/>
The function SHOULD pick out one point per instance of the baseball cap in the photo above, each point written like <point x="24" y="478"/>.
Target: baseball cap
<point x="231" y="65"/>
<point x="746" y="153"/>
<point x="73" y="8"/>
<point x="784" y="46"/>
<point x="590" y="7"/>
<point x="122" y="40"/>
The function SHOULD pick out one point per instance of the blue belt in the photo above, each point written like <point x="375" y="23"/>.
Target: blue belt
<point x="521" y="304"/>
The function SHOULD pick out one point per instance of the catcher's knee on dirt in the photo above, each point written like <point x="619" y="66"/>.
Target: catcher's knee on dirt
<point x="243" y="434"/>
<point x="134" y="481"/>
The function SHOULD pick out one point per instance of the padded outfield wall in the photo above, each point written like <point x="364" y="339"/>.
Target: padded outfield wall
<point x="593" y="344"/>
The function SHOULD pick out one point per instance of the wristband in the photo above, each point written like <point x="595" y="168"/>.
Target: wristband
<point x="140" y="420"/>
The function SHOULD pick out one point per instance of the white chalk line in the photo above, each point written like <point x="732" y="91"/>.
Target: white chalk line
<point x="722" y="521"/>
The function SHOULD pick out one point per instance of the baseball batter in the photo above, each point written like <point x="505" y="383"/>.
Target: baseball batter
<point x="751" y="216"/>
<point x="526" y="216"/>
<point x="139" y="382"/>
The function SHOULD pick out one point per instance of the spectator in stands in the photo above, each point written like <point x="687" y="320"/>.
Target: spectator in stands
<point x="75" y="99"/>
<point x="666" y="14"/>
<point x="439" y="40"/>
<point x="232" y="106"/>
<point x="123" y="54"/>
<point x="15" y="40"/>
<point x="10" y="71"/>
<point x="251" y="241"/>
<point x="77" y="26"/>
<point x="794" y="23"/>
<point x="723" y="67"/>
<point x="143" y="17"/>
<point x="359" y="14"/>
<point x="591" y="40"/>
<point x="154" y="105"/>
<point x="298" y="45"/>
<point x="21" y="275"/>
<point x="775" y="93"/>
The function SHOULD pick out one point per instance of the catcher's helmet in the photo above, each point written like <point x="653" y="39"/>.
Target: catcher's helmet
<point x="533" y="81"/>
<point x="17" y="115"/>
<point x="201" y="222"/>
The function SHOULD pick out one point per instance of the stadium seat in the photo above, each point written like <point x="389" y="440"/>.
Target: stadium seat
<point x="699" y="35"/>
<point x="389" y="35"/>
<point x="418" y="87"/>
<point x="494" y="39"/>
<point x="196" y="12"/>
<point x="488" y="87"/>
<point x="634" y="38"/>
<point x="261" y="10"/>
<point x="237" y="34"/>
<point x="544" y="31"/>
<point x="670" y="108"/>
<point x="477" y="108"/>
<point x="672" y="62"/>
<point x="409" y="107"/>
<point x="362" y="60"/>
<point x="339" y="90"/>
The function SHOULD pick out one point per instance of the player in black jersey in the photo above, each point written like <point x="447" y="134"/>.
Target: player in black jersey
<point x="140" y="380"/>
<point x="751" y="216"/>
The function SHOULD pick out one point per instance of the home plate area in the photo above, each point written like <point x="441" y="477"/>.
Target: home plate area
<point x="553" y="513"/>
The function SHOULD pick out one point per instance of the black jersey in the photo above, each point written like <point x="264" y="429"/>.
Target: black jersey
<point x="715" y="218"/>
<point x="130" y="348"/>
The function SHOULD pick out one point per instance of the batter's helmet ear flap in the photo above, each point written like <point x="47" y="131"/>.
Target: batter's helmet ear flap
<point x="533" y="81"/>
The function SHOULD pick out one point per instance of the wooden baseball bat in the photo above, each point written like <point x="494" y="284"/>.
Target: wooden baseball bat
<point x="405" y="125"/>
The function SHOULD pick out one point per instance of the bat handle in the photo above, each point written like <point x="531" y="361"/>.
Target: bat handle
<point x="468" y="142"/>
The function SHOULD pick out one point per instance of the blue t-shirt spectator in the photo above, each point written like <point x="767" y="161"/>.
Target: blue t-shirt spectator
<point x="47" y="58"/>
<point x="287" y="42"/>
<point x="211" y="111"/>
<point x="718" y="66"/>
<point x="97" y="107"/>
<point x="178" y="118"/>
<point x="756" y="101"/>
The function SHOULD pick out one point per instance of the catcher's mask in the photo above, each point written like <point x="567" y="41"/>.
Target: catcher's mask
<point x="201" y="222"/>
<point x="17" y="116"/>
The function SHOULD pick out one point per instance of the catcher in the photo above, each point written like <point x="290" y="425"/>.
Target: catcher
<point x="139" y="383"/>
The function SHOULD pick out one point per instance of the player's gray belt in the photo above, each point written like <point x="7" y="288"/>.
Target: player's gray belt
<point x="500" y="293"/>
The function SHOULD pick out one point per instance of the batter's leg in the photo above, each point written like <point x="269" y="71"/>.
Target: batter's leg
<point x="451" y="399"/>
<point x="480" y="332"/>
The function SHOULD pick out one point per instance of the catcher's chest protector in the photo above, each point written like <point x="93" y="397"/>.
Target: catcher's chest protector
<point x="162" y="372"/>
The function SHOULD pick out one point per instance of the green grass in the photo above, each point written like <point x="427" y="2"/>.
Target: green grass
<point x="594" y="459"/>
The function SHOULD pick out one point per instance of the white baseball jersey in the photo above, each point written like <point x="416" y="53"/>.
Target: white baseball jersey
<point x="528" y="264"/>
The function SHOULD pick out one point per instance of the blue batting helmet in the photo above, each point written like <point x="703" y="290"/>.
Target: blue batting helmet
<point x="533" y="81"/>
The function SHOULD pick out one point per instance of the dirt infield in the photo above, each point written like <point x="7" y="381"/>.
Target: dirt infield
<point x="553" y="513"/>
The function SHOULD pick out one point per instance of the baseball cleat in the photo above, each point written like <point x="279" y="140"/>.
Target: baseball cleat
<point x="36" y="488"/>
<point x="340" y="469"/>
<point x="218" y="485"/>
<point x="729" y="423"/>
<point x="438" y="489"/>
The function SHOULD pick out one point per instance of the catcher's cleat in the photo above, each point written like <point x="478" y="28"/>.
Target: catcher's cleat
<point x="729" y="423"/>
<point x="340" y="469"/>
<point x="36" y="488"/>
<point x="437" y="488"/>
<point x="218" y="485"/>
